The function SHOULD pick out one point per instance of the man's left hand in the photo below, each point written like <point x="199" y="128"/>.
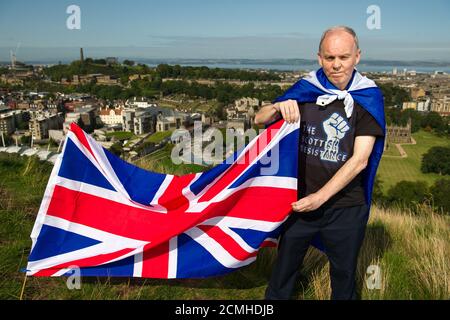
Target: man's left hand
<point x="309" y="203"/>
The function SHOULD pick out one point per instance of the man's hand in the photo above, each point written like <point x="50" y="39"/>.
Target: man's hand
<point x="309" y="203"/>
<point x="351" y="168"/>
<point x="289" y="110"/>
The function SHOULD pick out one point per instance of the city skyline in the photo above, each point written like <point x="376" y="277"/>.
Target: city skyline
<point x="215" y="30"/>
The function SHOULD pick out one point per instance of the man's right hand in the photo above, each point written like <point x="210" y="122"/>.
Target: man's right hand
<point x="289" y="110"/>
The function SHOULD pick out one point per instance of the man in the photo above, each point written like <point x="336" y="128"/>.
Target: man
<point x="336" y="142"/>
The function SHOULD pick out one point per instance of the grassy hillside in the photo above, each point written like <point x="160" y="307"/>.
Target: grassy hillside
<point x="412" y="252"/>
<point x="395" y="169"/>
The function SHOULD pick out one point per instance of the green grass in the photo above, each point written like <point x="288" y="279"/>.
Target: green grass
<point x="121" y="135"/>
<point x="22" y="184"/>
<point x="392" y="151"/>
<point x="393" y="170"/>
<point x="157" y="137"/>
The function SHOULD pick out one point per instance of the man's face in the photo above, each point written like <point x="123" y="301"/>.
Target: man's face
<point x="338" y="57"/>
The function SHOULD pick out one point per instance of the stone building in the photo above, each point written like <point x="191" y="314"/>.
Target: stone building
<point x="398" y="134"/>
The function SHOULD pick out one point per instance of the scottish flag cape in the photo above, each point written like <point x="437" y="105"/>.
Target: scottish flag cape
<point x="317" y="88"/>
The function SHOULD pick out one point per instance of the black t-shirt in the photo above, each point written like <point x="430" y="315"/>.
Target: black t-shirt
<point x="326" y="142"/>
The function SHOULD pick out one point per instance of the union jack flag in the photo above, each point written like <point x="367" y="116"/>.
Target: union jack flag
<point x="111" y="218"/>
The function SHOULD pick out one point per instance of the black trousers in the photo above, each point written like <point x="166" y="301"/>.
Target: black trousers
<point x="342" y="233"/>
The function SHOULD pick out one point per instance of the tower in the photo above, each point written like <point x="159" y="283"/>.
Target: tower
<point x="81" y="55"/>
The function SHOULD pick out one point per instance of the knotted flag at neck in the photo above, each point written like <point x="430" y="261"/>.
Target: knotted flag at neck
<point x="316" y="88"/>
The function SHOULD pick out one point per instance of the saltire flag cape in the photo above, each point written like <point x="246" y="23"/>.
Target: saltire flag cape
<point x="108" y="217"/>
<point x="316" y="87"/>
<point x="111" y="218"/>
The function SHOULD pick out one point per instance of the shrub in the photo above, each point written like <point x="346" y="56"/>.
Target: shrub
<point x="408" y="194"/>
<point x="440" y="192"/>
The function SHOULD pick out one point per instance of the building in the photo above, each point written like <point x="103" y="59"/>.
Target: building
<point x="12" y="120"/>
<point x="84" y="79"/>
<point x="241" y="116"/>
<point x="56" y="135"/>
<point x="244" y="104"/>
<point x="441" y="105"/>
<point x="398" y="134"/>
<point x="52" y="107"/>
<point x="7" y="123"/>
<point x="77" y="79"/>
<point x="111" y="116"/>
<point x="71" y="117"/>
<point x="409" y="105"/>
<point x="85" y="117"/>
<point x="23" y="105"/>
<point x="139" y="102"/>
<point x="139" y="120"/>
<point x="144" y="121"/>
<point x="107" y="80"/>
<point x="417" y="93"/>
<point x="72" y="105"/>
<point x="424" y="104"/>
<point x="128" y="119"/>
<point x="171" y="122"/>
<point x="76" y="96"/>
<point x="10" y="79"/>
<point x="40" y="124"/>
<point x="37" y="106"/>
<point x="208" y="120"/>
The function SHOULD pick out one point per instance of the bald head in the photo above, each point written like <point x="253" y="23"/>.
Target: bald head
<point x="339" y="30"/>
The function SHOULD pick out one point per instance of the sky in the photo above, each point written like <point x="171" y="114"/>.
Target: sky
<point x="199" y="29"/>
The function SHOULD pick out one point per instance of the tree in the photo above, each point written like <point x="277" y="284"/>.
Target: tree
<point x="415" y="117"/>
<point x="394" y="95"/>
<point x="128" y="62"/>
<point x="408" y="193"/>
<point x="219" y="111"/>
<point x="8" y="140"/>
<point x="26" y="140"/>
<point x="436" y="160"/>
<point x="99" y="61"/>
<point x="22" y="125"/>
<point x="435" y="121"/>
<point x="440" y="192"/>
<point x="116" y="149"/>
<point x="124" y="80"/>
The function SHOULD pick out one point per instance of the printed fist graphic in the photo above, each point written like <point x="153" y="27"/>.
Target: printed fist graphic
<point x="335" y="127"/>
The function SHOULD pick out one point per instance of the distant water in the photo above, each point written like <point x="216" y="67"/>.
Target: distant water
<point x="364" y="67"/>
<point x="309" y="67"/>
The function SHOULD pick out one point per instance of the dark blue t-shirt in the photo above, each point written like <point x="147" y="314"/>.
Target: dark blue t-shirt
<point x="326" y="142"/>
